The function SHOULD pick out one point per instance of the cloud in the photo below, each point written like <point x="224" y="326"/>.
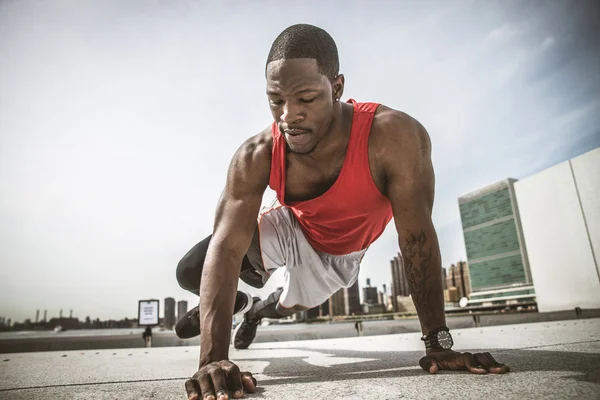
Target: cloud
<point x="503" y="34"/>
<point x="548" y="42"/>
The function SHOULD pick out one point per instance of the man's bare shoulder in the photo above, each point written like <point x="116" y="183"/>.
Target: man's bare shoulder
<point x="397" y="133"/>
<point x="401" y="147"/>
<point x="256" y="149"/>
<point x="251" y="164"/>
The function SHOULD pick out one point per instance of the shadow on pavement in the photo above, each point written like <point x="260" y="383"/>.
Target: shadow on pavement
<point x="585" y="366"/>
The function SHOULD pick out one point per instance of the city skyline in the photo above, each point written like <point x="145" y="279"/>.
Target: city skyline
<point x="118" y="123"/>
<point x="173" y="308"/>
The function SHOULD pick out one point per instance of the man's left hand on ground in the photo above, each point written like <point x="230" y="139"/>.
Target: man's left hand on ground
<point x="477" y="363"/>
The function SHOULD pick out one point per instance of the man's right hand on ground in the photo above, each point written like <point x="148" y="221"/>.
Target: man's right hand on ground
<point x="216" y="380"/>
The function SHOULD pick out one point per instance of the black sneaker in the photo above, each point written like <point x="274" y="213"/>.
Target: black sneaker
<point x="189" y="325"/>
<point x="245" y="332"/>
<point x="251" y="277"/>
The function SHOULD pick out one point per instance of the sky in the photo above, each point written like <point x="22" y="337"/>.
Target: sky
<point x="118" y="121"/>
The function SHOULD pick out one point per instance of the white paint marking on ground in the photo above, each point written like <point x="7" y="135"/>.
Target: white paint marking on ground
<point x="329" y="360"/>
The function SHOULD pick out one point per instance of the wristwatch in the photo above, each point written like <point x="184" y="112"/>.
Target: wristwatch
<point x="439" y="338"/>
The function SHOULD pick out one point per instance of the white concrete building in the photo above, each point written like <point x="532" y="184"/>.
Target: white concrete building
<point x="560" y="216"/>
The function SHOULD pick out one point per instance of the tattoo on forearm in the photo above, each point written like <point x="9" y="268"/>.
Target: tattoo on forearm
<point x="417" y="256"/>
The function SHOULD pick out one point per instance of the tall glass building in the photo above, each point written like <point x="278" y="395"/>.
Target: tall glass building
<point x="169" y="320"/>
<point x="496" y="251"/>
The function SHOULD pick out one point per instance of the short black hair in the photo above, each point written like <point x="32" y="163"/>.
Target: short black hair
<point x="307" y="41"/>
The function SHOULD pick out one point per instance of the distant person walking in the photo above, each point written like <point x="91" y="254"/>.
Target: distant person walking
<point x="147" y="335"/>
<point x="358" y="327"/>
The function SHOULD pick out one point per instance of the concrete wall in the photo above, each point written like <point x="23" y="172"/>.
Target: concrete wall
<point x="561" y="256"/>
<point x="586" y="169"/>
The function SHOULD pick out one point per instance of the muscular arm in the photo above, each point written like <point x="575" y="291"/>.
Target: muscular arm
<point x="235" y="222"/>
<point x="410" y="185"/>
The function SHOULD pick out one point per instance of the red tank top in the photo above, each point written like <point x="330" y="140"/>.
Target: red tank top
<point x="353" y="213"/>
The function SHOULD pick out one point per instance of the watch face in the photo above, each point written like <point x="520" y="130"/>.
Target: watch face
<point x="445" y="340"/>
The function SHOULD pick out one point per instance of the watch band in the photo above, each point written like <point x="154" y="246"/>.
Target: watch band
<point x="431" y="339"/>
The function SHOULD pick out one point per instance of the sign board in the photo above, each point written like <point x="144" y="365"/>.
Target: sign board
<point x="148" y="312"/>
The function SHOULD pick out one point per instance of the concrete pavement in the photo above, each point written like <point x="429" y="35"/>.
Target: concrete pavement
<point x="548" y="360"/>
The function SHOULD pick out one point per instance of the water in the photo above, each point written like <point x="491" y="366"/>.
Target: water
<point x="76" y="333"/>
<point x="139" y="331"/>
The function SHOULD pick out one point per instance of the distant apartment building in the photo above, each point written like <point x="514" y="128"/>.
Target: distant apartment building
<point x="399" y="283"/>
<point x="496" y="250"/>
<point x="322" y="310"/>
<point x="444" y="277"/>
<point x="385" y="297"/>
<point x="169" y="319"/>
<point x="337" y="303"/>
<point x="352" y="300"/>
<point x="373" y="300"/>
<point x="182" y="306"/>
<point x="451" y="295"/>
<point x="370" y="295"/>
<point x="457" y="276"/>
<point x="343" y="302"/>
